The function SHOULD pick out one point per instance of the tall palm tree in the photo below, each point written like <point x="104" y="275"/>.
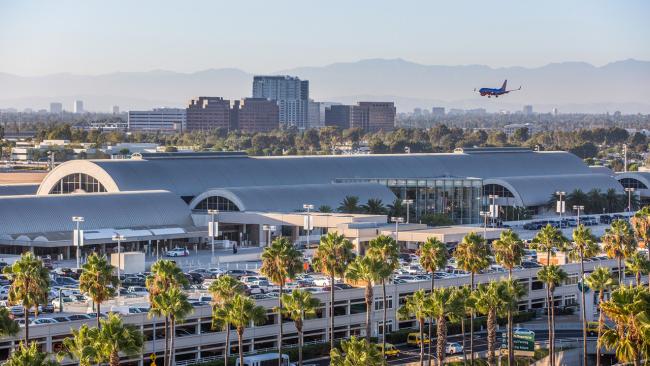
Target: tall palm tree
<point x="374" y="206"/>
<point x="397" y="208"/>
<point x="583" y="246"/>
<point x="619" y="243"/>
<point x="553" y="276"/>
<point x="173" y="305"/>
<point x="628" y="308"/>
<point x="508" y="252"/>
<point x="281" y="262"/>
<point x="350" y="204"/>
<point x="418" y="306"/>
<point x="600" y="280"/>
<point x="472" y="256"/>
<point x="366" y="271"/>
<point x="463" y="294"/>
<point x="30" y="286"/>
<point x="638" y="264"/>
<point x="223" y="289"/>
<point x="445" y="303"/>
<point x="8" y="326"/>
<point x="29" y="355"/>
<point x="82" y="346"/>
<point x="97" y="281"/>
<point x="243" y="312"/>
<point x="488" y="301"/>
<point x="332" y="257"/>
<point x="385" y="249"/>
<point x="433" y="256"/>
<point x="511" y="291"/>
<point x="641" y="225"/>
<point x="356" y="352"/>
<point x="115" y="337"/>
<point x="298" y="306"/>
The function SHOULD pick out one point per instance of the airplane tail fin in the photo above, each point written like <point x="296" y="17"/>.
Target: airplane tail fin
<point x="503" y="87"/>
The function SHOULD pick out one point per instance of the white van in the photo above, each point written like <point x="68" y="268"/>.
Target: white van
<point x="266" y="359"/>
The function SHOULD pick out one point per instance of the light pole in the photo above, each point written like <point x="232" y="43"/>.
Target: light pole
<point x="560" y="207"/>
<point x="629" y="198"/>
<point x="118" y="238"/>
<point x="485" y="215"/>
<point x="78" y="238"/>
<point x="397" y="221"/>
<point x="308" y="207"/>
<point x="213" y="230"/>
<point x="578" y="208"/>
<point x="625" y="158"/>
<point x="494" y="211"/>
<point x="268" y="228"/>
<point x="408" y="204"/>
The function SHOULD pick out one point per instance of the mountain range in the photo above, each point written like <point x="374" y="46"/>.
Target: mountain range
<point x="568" y="86"/>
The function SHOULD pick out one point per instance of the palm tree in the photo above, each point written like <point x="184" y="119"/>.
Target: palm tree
<point x="82" y="346"/>
<point x="638" y="264"/>
<point x="30" y="286"/>
<point x="641" y="225"/>
<point x="385" y="249"/>
<point x="97" y="281"/>
<point x="298" y="306"/>
<point x="223" y="289"/>
<point x="511" y="291"/>
<point x="243" y="311"/>
<point x="332" y="258"/>
<point x="463" y="294"/>
<point x="488" y="301"/>
<point x="628" y="308"/>
<point x="472" y="256"/>
<point x="115" y="337"/>
<point x="583" y="246"/>
<point x="325" y="209"/>
<point x="173" y="305"/>
<point x="600" y="280"/>
<point x="350" y="204"/>
<point x="367" y="271"/>
<point x="433" y="256"/>
<point x="397" y="208"/>
<point x="281" y="262"/>
<point x="445" y="303"/>
<point x="553" y="276"/>
<point x="508" y="251"/>
<point x="419" y="306"/>
<point x="374" y="206"/>
<point x="619" y="243"/>
<point x="356" y="352"/>
<point x="8" y="326"/>
<point x="29" y="355"/>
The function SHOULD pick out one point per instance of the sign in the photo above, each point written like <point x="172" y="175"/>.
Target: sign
<point x="308" y="224"/>
<point x="523" y="343"/>
<point x="213" y="229"/>
<point x="494" y="211"/>
<point x="560" y="207"/>
<point x="78" y="238"/>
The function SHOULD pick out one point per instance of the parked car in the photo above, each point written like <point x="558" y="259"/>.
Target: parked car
<point x="178" y="252"/>
<point x="453" y="348"/>
<point x="138" y="291"/>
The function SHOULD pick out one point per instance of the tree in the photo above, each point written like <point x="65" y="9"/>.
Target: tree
<point x="224" y="289"/>
<point x="332" y="257"/>
<point x="8" y="326"/>
<point x="280" y="262"/>
<point x="29" y="356"/>
<point x="600" y="280"/>
<point x="488" y="301"/>
<point x="619" y="243"/>
<point x="30" y="286"/>
<point x="472" y="256"/>
<point x="628" y="309"/>
<point x="397" y="208"/>
<point x="583" y="246"/>
<point x="385" y="249"/>
<point x="553" y="276"/>
<point x="243" y="312"/>
<point x="82" y="346"/>
<point x="638" y="264"/>
<point x="115" y="337"/>
<point x="433" y="256"/>
<point x="445" y="303"/>
<point x="365" y="271"/>
<point x="463" y="294"/>
<point x="350" y="204"/>
<point x="511" y="291"/>
<point x="641" y="225"/>
<point x="508" y="251"/>
<point x="356" y="352"/>
<point x="374" y="206"/>
<point x="324" y="209"/>
<point x="173" y="305"/>
<point x="97" y="281"/>
<point x="436" y="219"/>
<point x="298" y="306"/>
<point x="417" y="306"/>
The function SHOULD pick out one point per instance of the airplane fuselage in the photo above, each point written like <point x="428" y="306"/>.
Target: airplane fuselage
<point x="492" y="92"/>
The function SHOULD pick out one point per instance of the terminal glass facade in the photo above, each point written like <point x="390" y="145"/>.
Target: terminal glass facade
<point x="457" y="198"/>
<point x="77" y="183"/>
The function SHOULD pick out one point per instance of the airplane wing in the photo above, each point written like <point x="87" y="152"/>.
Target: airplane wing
<point x="514" y="89"/>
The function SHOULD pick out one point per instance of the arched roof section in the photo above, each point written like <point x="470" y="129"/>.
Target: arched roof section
<point x="643" y="177"/>
<point x="88" y="167"/>
<point x="18" y="189"/>
<point x="290" y="198"/>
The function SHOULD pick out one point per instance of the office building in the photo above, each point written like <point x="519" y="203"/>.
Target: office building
<point x="291" y="95"/>
<point x="255" y="115"/>
<point x="158" y="119"/>
<point x="338" y="116"/>
<point x="528" y="109"/>
<point x="207" y="114"/>
<point x="116" y="109"/>
<point x="313" y="115"/>
<point x="78" y="106"/>
<point x="438" y="111"/>
<point x="56" y="108"/>
<point x="374" y="116"/>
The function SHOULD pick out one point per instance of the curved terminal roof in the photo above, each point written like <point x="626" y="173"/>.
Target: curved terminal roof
<point x="291" y="198"/>
<point x="599" y="169"/>
<point x="643" y="177"/>
<point x="18" y="189"/>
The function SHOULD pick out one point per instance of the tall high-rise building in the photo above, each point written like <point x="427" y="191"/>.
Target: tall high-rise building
<point x="313" y="115"/>
<point x="528" y="109"/>
<point x="338" y="116"/>
<point x="291" y="95"/>
<point x="158" y="119"/>
<point x="369" y="116"/>
<point x="208" y="113"/>
<point x="438" y="111"/>
<point x="56" y="108"/>
<point x="78" y="106"/>
<point x="116" y="109"/>
<point x="255" y="115"/>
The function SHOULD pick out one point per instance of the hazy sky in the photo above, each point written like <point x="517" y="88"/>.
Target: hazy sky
<point x="92" y="36"/>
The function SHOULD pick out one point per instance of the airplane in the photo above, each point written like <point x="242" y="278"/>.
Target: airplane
<point x="496" y="92"/>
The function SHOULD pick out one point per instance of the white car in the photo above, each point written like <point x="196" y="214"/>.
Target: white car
<point x="321" y="281"/>
<point x="138" y="291"/>
<point x="178" y="252"/>
<point x="252" y="280"/>
<point x="453" y="347"/>
<point x="43" y="321"/>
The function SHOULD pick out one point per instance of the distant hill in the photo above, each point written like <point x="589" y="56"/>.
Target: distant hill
<point x="569" y="86"/>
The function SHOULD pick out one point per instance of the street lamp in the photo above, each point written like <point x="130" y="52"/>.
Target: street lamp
<point x="560" y="207"/>
<point x="397" y="221"/>
<point x="408" y="203"/>
<point x="213" y="229"/>
<point x="77" y="238"/>
<point x="578" y="208"/>
<point x="268" y="228"/>
<point x="308" y="207"/>
<point x="494" y="210"/>
<point x="629" y="198"/>
<point x="485" y="215"/>
<point x="118" y="238"/>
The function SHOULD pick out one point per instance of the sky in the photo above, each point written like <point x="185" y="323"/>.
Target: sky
<point x="96" y="37"/>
